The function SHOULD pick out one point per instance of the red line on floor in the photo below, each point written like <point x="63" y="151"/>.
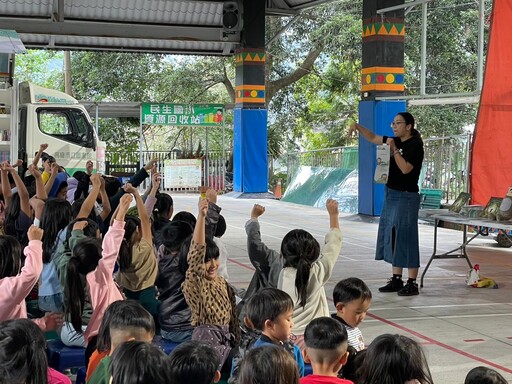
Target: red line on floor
<point x="443" y="345"/>
<point x="251" y="268"/>
<point x="473" y="340"/>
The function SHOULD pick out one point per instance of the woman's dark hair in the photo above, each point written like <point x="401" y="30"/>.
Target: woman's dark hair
<point x="162" y="209"/>
<point x="11" y="256"/>
<point x="186" y="217"/>
<point x="85" y="257"/>
<point x="484" y="375"/>
<point x="350" y="289"/>
<point x="269" y="364"/>
<point x="212" y="252"/>
<point x="300" y="250"/>
<point x="174" y="233"/>
<point x="138" y="362"/>
<point x="193" y="362"/>
<point x="409" y="119"/>
<point x="22" y="353"/>
<point x="55" y="217"/>
<point x="394" y="359"/>
<point x="267" y="304"/>
<point x="132" y="223"/>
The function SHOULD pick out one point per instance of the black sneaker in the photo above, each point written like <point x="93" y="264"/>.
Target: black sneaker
<point x="393" y="285"/>
<point x="409" y="289"/>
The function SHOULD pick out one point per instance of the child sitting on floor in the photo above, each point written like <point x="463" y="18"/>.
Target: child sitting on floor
<point x="130" y="322"/>
<point x="194" y="362"/>
<point x="210" y="298"/>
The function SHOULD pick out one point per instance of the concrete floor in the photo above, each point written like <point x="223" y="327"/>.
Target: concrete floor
<point x="460" y="327"/>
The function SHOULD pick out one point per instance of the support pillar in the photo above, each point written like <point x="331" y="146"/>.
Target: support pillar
<point x="382" y="75"/>
<point x="250" y="114"/>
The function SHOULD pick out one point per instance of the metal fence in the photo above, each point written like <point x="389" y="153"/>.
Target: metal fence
<point x="445" y="165"/>
<point x="213" y="167"/>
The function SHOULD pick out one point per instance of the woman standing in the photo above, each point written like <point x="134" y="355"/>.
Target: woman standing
<point x="397" y="240"/>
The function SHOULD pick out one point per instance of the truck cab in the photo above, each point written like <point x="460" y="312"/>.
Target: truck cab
<point x="52" y="117"/>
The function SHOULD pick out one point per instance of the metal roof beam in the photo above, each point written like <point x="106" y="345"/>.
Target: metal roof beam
<point x="116" y="30"/>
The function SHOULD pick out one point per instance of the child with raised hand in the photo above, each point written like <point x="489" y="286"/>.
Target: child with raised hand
<point x="306" y="271"/>
<point x="23" y="357"/>
<point x="95" y="262"/>
<point x="194" y="362"/>
<point x="326" y="351"/>
<point x="266" y="261"/>
<point x="130" y="322"/>
<point x="137" y="259"/>
<point x="210" y="298"/>
<point x="138" y="362"/>
<point x="18" y="279"/>
<point x="352" y="299"/>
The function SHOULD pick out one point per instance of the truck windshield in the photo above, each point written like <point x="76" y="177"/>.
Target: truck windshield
<point x="67" y="124"/>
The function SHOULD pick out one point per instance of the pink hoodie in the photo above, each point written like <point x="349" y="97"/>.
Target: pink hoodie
<point x="14" y="290"/>
<point x="103" y="290"/>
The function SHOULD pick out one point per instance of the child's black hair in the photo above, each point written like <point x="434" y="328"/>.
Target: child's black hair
<point x="394" y="359"/>
<point x="212" y="252"/>
<point x="267" y="304"/>
<point x="85" y="257"/>
<point x="162" y="208"/>
<point x="220" y="230"/>
<point x="269" y="364"/>
<point x="11" y="256"/>
<point x="90" y="230"/>
<point x="103" y="343"/>
<point x="131" y="314"/>
<point x="77" y="205"/>
<point x="484" y="375"/>
<point x="186" y="217"/>
<point x="12" y="212"/>
<point x="174" y="233"/>
<point x="138" y="362"/>
<point x="351" y="289"/>
<point x="22" y="353"/>
<point x="132" y="223"/>
<point x="193" y="362"/>
<point x="354" y="360"/>
<point x="112" y="186"/>
<point x="325" y="333"/>
<point x="55" y="217"/>
<point x="300" y="250"/>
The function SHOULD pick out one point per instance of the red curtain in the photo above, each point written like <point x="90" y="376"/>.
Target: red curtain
<point x="491" y="154"/>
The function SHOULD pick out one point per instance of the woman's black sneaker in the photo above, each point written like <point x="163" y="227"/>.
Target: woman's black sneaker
<point x="393" y="285"/>
<point x="409" y="289"/>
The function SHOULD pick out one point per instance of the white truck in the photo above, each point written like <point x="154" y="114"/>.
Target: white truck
<point x="31" y="115"/>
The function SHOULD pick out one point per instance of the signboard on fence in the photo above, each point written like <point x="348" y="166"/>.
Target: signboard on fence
<point x="182" y="173"/>
<point x="185" y="115"/>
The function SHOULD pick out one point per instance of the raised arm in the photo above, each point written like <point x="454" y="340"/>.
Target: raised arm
<point x="259" y="254"/>
<point x="37" y="157"/>
<point x="37" y="201"/>
<point x="150" y="200"/>
<point x="145" y="224"/>
<point x="332" y="246"/>
<point x="366" y="133"/>
<point x="22" y="189"/>
<point x="105" y="202"/>
<point x="49" y="184"/>
<point x="88" y="203"/>
<point x="6" y="186"/>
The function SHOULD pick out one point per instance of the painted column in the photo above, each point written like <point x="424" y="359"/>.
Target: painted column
<point x="382" y="75"/>
<point x="250" y="115"/>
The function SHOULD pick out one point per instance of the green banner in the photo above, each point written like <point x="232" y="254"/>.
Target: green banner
<point x="189" y="115"/>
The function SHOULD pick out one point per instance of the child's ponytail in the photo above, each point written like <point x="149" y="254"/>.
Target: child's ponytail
<point x="300" y="250"/>
<point x="86" y="255"/>
<point x="132" y="223"/>
<point x="76" y="294"/>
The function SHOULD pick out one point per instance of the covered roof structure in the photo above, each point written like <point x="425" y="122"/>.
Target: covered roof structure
<point x="156" y="26"/>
